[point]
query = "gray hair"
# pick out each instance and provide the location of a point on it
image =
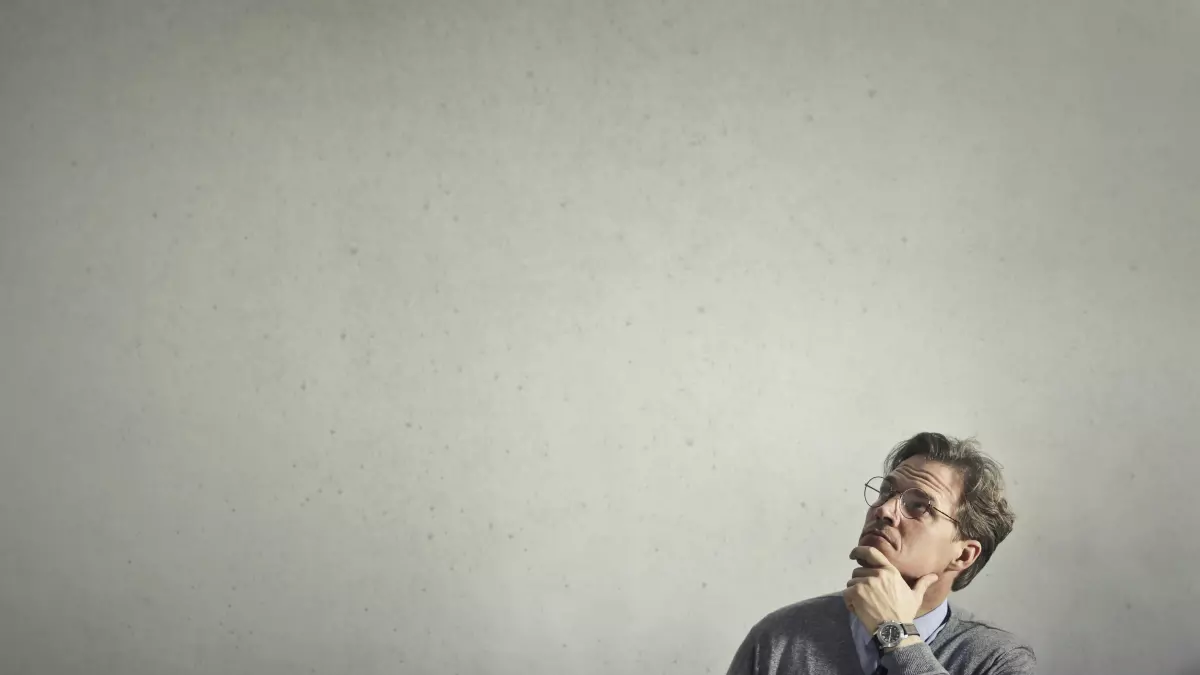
(982, 511)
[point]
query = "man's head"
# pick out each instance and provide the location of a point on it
(929, 480)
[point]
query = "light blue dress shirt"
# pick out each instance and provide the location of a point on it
(928, 626)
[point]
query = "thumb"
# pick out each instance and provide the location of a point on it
(924, 583)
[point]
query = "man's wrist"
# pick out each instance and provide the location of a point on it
(872, 628)
(906, 642)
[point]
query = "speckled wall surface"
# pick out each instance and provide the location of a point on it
(544, 338)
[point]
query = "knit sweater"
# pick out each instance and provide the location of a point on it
(813, 637)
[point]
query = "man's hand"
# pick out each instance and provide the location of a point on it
(877, 593)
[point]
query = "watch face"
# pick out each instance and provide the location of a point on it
(890, 634)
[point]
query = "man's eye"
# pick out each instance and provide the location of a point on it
(917, 506)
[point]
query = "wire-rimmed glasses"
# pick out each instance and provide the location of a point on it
(914, 504)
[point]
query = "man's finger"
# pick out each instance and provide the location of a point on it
(869, 556)
(867, 572)
(924, 583)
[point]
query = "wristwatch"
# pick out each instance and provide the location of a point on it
(890, 633)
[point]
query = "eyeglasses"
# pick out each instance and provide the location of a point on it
(914, 504)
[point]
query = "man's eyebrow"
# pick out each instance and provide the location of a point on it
(888, 481)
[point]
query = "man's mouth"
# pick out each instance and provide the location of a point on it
(878, 534)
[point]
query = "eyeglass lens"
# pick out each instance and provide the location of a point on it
(913, 503)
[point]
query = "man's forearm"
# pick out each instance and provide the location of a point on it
(913, 657)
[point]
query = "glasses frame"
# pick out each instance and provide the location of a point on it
(879, 493)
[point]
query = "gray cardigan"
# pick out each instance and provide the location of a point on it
(813, 637)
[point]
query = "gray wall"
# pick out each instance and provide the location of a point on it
(366, 337)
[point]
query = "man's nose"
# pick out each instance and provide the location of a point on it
(887, 511)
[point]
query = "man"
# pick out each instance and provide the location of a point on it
(933, 523)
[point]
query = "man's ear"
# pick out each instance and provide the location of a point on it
(966, 556)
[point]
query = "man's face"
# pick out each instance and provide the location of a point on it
(916, 546)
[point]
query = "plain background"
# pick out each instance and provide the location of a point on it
(559, 337)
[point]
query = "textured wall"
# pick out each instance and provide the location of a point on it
(498, 337)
